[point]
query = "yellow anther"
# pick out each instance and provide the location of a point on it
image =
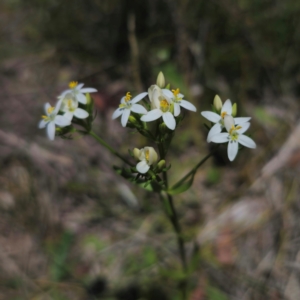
(147, 155)
(44, 117)
(50, 109)
(233, 129)
(238, 127)
(223, 114)
(73, 84)
(128, 96)
(164, 103)
(176, 92)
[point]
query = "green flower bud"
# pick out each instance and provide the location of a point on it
(218, 103)
(133, 120)
(161, 164)
(161, 80)
(234, 110)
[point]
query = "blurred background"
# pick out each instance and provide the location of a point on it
(70, 228)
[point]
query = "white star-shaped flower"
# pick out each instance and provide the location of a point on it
(78, 92)
(219, 119)
(52, 118)
(127, 106)
(161, 106)
(70, 108)
(147, 157)
(178, 101)
(234, 136)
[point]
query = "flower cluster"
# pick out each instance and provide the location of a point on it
(223, 118)
(66, 108)
(162, 103)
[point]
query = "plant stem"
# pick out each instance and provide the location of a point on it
(199, 164)
(113, 151)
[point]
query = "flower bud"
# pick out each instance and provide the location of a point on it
(136, 153)
(161, 80)
(218, 103)
(234, 110)
(133, 120)
(228, 122)
(161, 164)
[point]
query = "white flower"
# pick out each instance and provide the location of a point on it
(147, 157)
(178, 101)
(127, 106)
(234, 136)
(70, 108)
(219, 119)
(78, 92)
(52, 118)
(161, 106)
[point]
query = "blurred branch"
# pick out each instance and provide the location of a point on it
(134, 49)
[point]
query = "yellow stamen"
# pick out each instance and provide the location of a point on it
(223, 114)
(44, 117)
(73, 84)
(232, 129)
(176, 92)
(50, 109)
(147, 155)
(128, 96)
(164, 105)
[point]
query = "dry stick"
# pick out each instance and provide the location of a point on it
(134, 48)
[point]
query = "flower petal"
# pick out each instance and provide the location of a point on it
(227, 106)
(42, 124)
(81, 98)
(176, 109)
(217, 128)
(81, 113)
(68, 115)
(125, 117)
(79, 86)
(46, 107)
(139, 97)
(88, 90)
(152, 115)
(246, 141)
(117, 113)
(58, 106)
(51, 131)
(61, 121)
(188, 105)
(169, 120)
(211, 116)
(142, 167)
(244, 128)
(239, 121)
(168, 93)
(220, 138)
(139, 109)
(232, 150)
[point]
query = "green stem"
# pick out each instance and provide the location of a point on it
(199, 164)
(113, 151)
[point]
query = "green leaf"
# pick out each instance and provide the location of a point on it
(178, 189)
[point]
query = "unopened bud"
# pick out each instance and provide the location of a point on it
(228, 122)
(218, 103)
(234, 110)
(161, 80)
(161, 164)
(136, 153)
(88, 99)
(133, 120)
